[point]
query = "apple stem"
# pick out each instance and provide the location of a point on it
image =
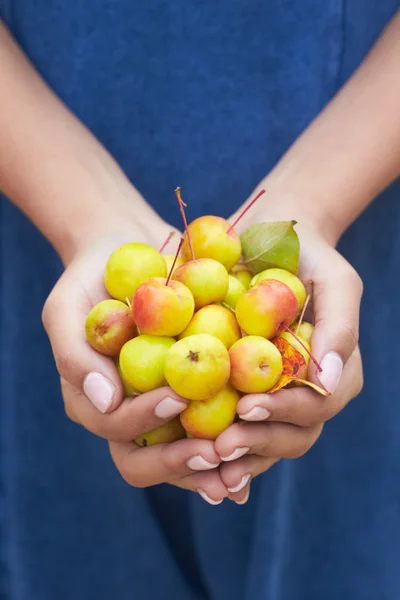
(173, 264)
(245, 210)
(302, 313)
(167, 241)
(296, 337)
(128, 302)
(182, 209)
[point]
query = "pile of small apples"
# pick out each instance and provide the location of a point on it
(202, 322)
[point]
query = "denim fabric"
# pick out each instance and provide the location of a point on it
(207, 95)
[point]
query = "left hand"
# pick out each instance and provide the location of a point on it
(287, 424)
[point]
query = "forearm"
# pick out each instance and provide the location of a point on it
(52, 167)
(350, 153)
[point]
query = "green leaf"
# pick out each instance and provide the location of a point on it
(269, 245)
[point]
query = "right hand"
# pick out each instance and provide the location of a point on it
(93, 392)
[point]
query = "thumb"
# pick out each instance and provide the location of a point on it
(64, 317)
(337, 297)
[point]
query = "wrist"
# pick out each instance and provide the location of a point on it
(279, 203)
(113, 220)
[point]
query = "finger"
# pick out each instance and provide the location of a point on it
(208, 485)
(266, 439)
(163, 463)
(64, 317)
(131, 418)
(301, 405)
(336, 301)
(238, 474)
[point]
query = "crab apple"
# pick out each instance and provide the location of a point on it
(267, 308)
(130, 265)
(197, 367)
(206, 419)
(108, 326)
(293, 282)
(161, 309)
(256, 364)
(214, 320)
(142, 362)
(211, 239)
(167, 432)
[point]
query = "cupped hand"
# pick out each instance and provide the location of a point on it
(287, 423)
(92, 389)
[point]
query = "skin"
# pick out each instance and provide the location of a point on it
(208, 418)
(256, 364)
(265, 308)
(54, 170)
(142, 362)
(197, 367)
(210, 239)
(108, 326)
(286, 277)
(160, 309)
(207, 279)
(214, 320)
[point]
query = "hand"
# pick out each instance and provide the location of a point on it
(92, 389)
(287, 423)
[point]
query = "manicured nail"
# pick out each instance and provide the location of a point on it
(236, 454)
(258, 413)
(240, 485)
(244, 499)
(99, 390)
(332, 369)
(169, 407)
(198, 463)
(208, 499)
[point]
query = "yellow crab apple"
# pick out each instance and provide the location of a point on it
(167, 432)
(206, 419)
(142, 362)
(197, 367)
(214, 320)
(207, 279)
(162, 308)
(293, 282)
(108, 326)
(267, 308)
(130, 265)
(256, 364)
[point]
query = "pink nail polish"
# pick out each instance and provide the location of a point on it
(241, 484)
(208, 499)
(258, 413)
(236, 454)
(169, 407)
(244, 499)
(332, 369)
(198, 463)
(99, 390)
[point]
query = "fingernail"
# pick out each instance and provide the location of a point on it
(240, 485)
(258, 413)
(198, 463)
(244, 499)
(208, 499)
(169, 407)
(332, 369)
(99, 390)
(236, 454)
